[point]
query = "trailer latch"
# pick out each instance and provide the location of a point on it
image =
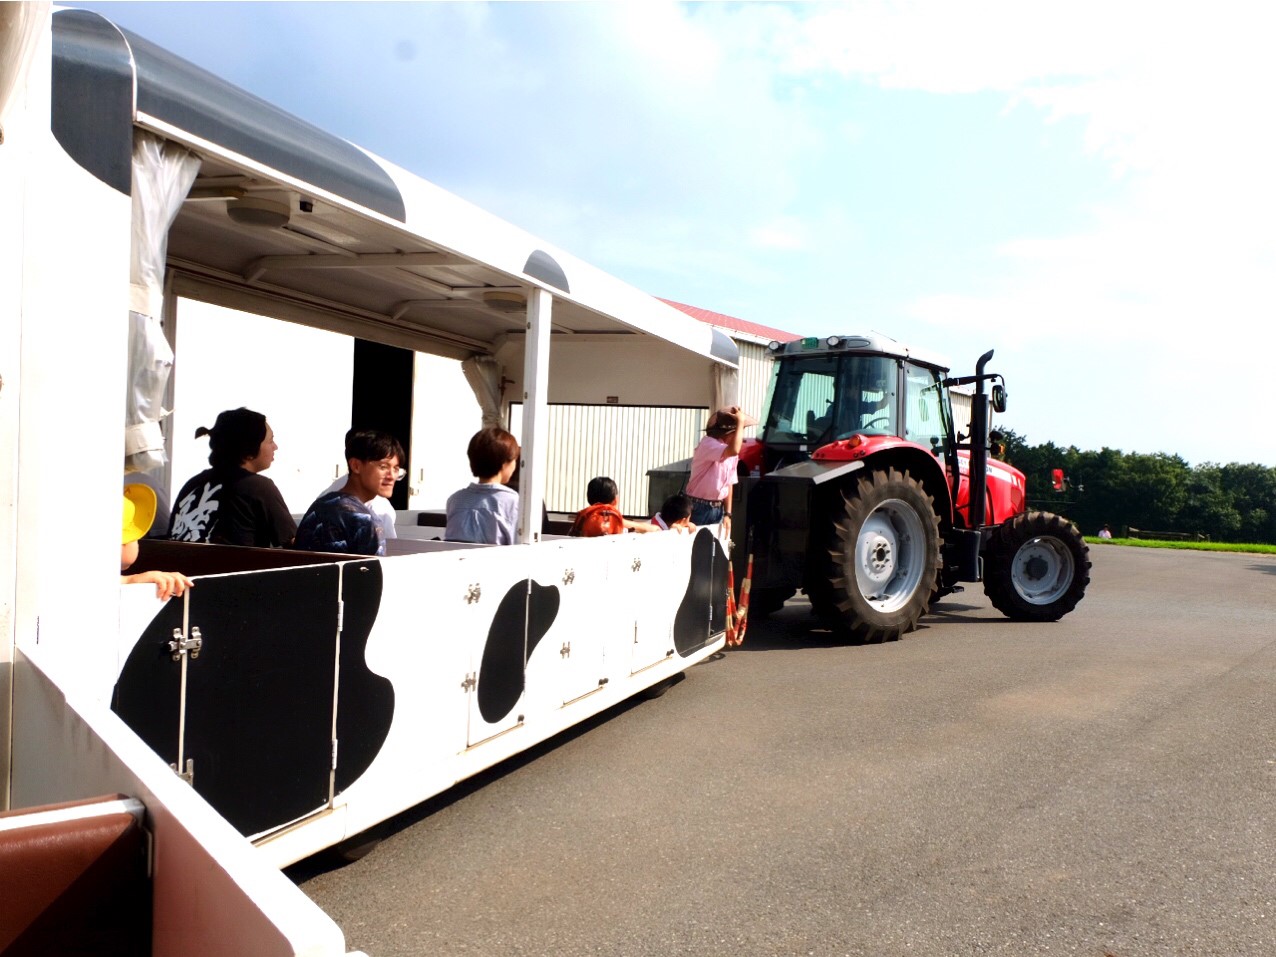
(181, 645)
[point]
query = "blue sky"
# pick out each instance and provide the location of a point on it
(1086, 188)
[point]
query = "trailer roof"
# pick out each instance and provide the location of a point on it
(366, 247)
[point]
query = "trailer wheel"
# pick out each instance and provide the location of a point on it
(1037, 567)
(884, 559)
(355, 848)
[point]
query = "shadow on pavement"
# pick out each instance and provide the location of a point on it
(339, 856)
(795, 626)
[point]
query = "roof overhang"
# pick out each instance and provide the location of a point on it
(354, 242)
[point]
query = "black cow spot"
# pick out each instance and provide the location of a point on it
(523, 617)
(259, 696)
(258, 719)
(703, 611)
(365, 699)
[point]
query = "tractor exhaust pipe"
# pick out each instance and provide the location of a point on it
(979, 446)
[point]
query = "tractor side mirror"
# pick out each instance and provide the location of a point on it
(998, 397)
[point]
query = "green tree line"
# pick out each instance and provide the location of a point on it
(1157, 492)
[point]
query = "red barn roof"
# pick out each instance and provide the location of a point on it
(734, 324)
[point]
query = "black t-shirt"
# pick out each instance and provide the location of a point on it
(231, 507)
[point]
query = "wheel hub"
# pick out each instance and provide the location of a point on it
(888, 563)
(1036, 568)
(879, 555)
(876, 564)
(1042, 570)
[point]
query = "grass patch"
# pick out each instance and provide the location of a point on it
(1189, 546)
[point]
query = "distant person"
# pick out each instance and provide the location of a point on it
(342, 521)
(602, 516)
(380, 504)
(232, 503)
(713, 465)
(139, 513)
(1105, 532)
(675, 513)
(486, 511)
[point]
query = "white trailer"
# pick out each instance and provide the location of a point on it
(289, 701)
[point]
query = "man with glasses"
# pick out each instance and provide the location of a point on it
(380, 505)
(344, 520)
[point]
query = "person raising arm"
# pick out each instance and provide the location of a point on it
(713, 466)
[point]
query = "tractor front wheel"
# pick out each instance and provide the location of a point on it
(1036, 568)
(884, 559)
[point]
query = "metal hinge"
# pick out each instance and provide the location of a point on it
(470, 682)
(181, 645)
(566, 650)
(189, 774)
(636, 565)
(569, 576)
(472, 594)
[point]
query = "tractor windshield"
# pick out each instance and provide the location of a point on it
(815, 400)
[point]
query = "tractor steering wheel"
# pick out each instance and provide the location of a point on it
(884, 419)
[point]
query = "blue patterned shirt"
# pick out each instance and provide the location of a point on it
(338, 522)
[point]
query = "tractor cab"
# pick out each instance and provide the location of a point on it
(842, 389)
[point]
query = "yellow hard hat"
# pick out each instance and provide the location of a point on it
(139, 511)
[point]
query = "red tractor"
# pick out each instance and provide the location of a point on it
(863, 494)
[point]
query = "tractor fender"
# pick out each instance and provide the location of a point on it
(812, 472)
(920, 464)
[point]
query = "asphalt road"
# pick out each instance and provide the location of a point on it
(1104, 785)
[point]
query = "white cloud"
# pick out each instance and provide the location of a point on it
(785, 233)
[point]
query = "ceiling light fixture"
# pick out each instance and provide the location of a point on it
(255, 211)
(504, 301)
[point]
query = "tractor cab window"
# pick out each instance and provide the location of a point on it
(815, 400)
(925, 414)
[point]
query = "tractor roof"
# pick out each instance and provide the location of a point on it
(872, 343)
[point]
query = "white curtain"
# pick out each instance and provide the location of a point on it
(20, 26)
(162, 176)
(483, 373)
(726, 387)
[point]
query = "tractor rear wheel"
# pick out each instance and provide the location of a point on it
(1037, 567)
(884, 559)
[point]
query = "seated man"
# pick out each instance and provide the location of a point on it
(603, 517)
(341, 521)
(139, 513)
(380, 504)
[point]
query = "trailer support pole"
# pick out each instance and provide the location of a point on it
(531, 488)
